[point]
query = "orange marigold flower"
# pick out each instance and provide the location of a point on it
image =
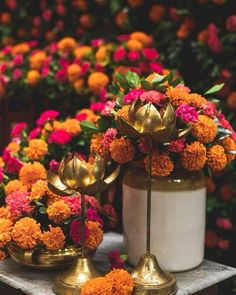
(203, 36)
(231, 101)
(97, 286)
(82, 51)
(205, 129)
(78, 84)
(229, 145)
(122, 150)
(196, 100)
(101, 54)
(216, 158)
(3, 255)
(52, 198)
(156, 13)
(73, 72)
(141, 37)
(20, 48)
(71, 126)
(5, 212)
(97, 81)
(31, 172)
(177, 96)
(95, 235)
(15, 186)
(134, 45)
(86, 20)
(2, 163)
(96, 146)
(33, 77)
(37, 149)
(183, 31)
(58, 212)
(123, 112)
(6, 227)
(66, 44)
(161, 164)
(193, 157)
(14, 147)
(121, 18)
(37, 60)
(54, 239)
(26, 233)
(38, 190)
(121, 280)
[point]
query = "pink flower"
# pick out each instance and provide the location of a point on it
(109, 210)
(17, 60)
(3, 67)
(16, 74)
(223, 244)
(156, 67)
(121, 38)
(6, 50)
(53, 165)
(177, 146)
(108, 137)
(187, 113)
(209, 109)
(36, 21)
(47, 116)
(93, 202)
(143, 145)
(132, 95)
(85, 67)
(81, 117)
(32, 43)
(1, 175)
(97, 42)
(74, 204)
(47, 15)
(34, 133)
(115, 259)
(152, 96)
(134, 69)
(61, 75)
(133, 55)
(60, 9)
(183, 87)
(150, 53)
(99, 68)
(12, 4)
(103, 95)
(108, 108)
(97, 106)
(119, 54)
(60, 137)
(19, 203)
(92, 215)
(75, 231)
(213, 40)
(224, 223)
(14, 165)
(64, 62)
(18, 128)
(231, 23)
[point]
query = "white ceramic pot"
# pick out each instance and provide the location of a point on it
(177, 221)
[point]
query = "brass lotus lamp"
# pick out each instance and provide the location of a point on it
(159, 126)
(77, 176)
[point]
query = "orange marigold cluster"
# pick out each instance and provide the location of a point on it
(38, 190)
(97, 286)
(122, 150)
(71, 126)
(177, 96)
(26, 233)
(14, 147)
(196, 100)
(97, 147)
(37, 149)
(95, 235)
(6, 227)
(97, 81)
(205, 129)
(123, 112)
(33, 77)
(5, 212)
(66, 44)
(161, 164)
(216, 158)
(229, 145)
(193, 157)
(52, 198)
(54, 239)
(142, 37)
(15, 186)
(58, 212)
(121, 280)
(31, 172)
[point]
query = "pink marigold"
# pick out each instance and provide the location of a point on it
(97, 42)
(132, 95)
(224, 223)
(187, 113)
(119, 54)
(108, 108)
(108, 137)
(97, 106)
(14, 165)
(115, 259)
(34, 133)
(47, 116)
(75, 231)
(93, 202)
(81, 117)
(152, 96)
(60, 137)
(53, 166)
(18, 128)
(133, 55)
(19, 203)
(209, 109)
(177, 146)
(92, 215)
(150, 53)
(156, 67)
(73, 203)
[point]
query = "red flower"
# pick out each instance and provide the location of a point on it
(16, 131)
(133, 55)
(223, 244)
(47, 116)
(75, 231)
(224, 223)
(119, 54)
(60, 137)
(211, 239)
(231, 23)
(213, 40)
(115, 260)
(150, 53)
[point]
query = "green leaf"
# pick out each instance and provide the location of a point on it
(146, 85)
(38, 204)
(43, 210)
(103, 124)
(177, 81)
(88, 127)
(214, 89)
(170, 77)
(124, 257)
(114, 88)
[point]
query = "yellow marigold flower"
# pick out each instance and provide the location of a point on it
(161, 164)
(31, 172)
(71, 126)
(58, 212)
(97, 286)
(54, 239)
(121, 280)
(66, 44)
(193, 157)
(97, 81)
(229, 145)
(97, 147)
(122, 150)
(37, 149)
(78, 84)
(134, 45)
(2, 164)
(205, 129)
(101, 54)
(37, 60)
(141, 37)
(33, 77)
(177, 96)
(26, 233)
(73, 72)
(3, 255)
(216, 158)
(14, 147)
(6, 227)
(95, 235)
(196, 100)
(38, 190)
(123, 112)
(82, 51)
(15, 186)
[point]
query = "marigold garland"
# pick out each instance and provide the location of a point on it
(161, 164)
(122, 150)
(53, 239)
(216, 158)
(205, 129)
(58, 212)
(97, 286)
(193, 157)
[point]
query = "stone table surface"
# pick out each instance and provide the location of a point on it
(34, 282)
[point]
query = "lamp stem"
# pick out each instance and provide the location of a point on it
(82, 217)
(149, 192)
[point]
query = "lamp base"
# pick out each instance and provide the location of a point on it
(150, 279)
(80, 272)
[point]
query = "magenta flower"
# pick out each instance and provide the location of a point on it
(143, 145)
(61, 75)
(156, 67)
(3, 67)
(16, 74)
(108, 137)
(132, 95)
(75, 231)
(74, 204)
(187, 113)
(108, 108)
(209, 109)
(47, 116)
(47, 15)
(19, 203)
(93, 202)
(53, 166)
(133, 55)
(213, 41)
(85, 67)
(81, 117)
(123, 37)
(183, 87)
(97, 42)
(115, 259)
(177, 146)
(14, 165)
(150, 53)
(97, 106)
(92, 215)
(223, 244)
(18, 128)
(34, 133)
(36, 21)
(224, 223)
(152, 96)
(119, 54)
(60, 137)
(1, 175)
(110, 212)
(17, 60)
